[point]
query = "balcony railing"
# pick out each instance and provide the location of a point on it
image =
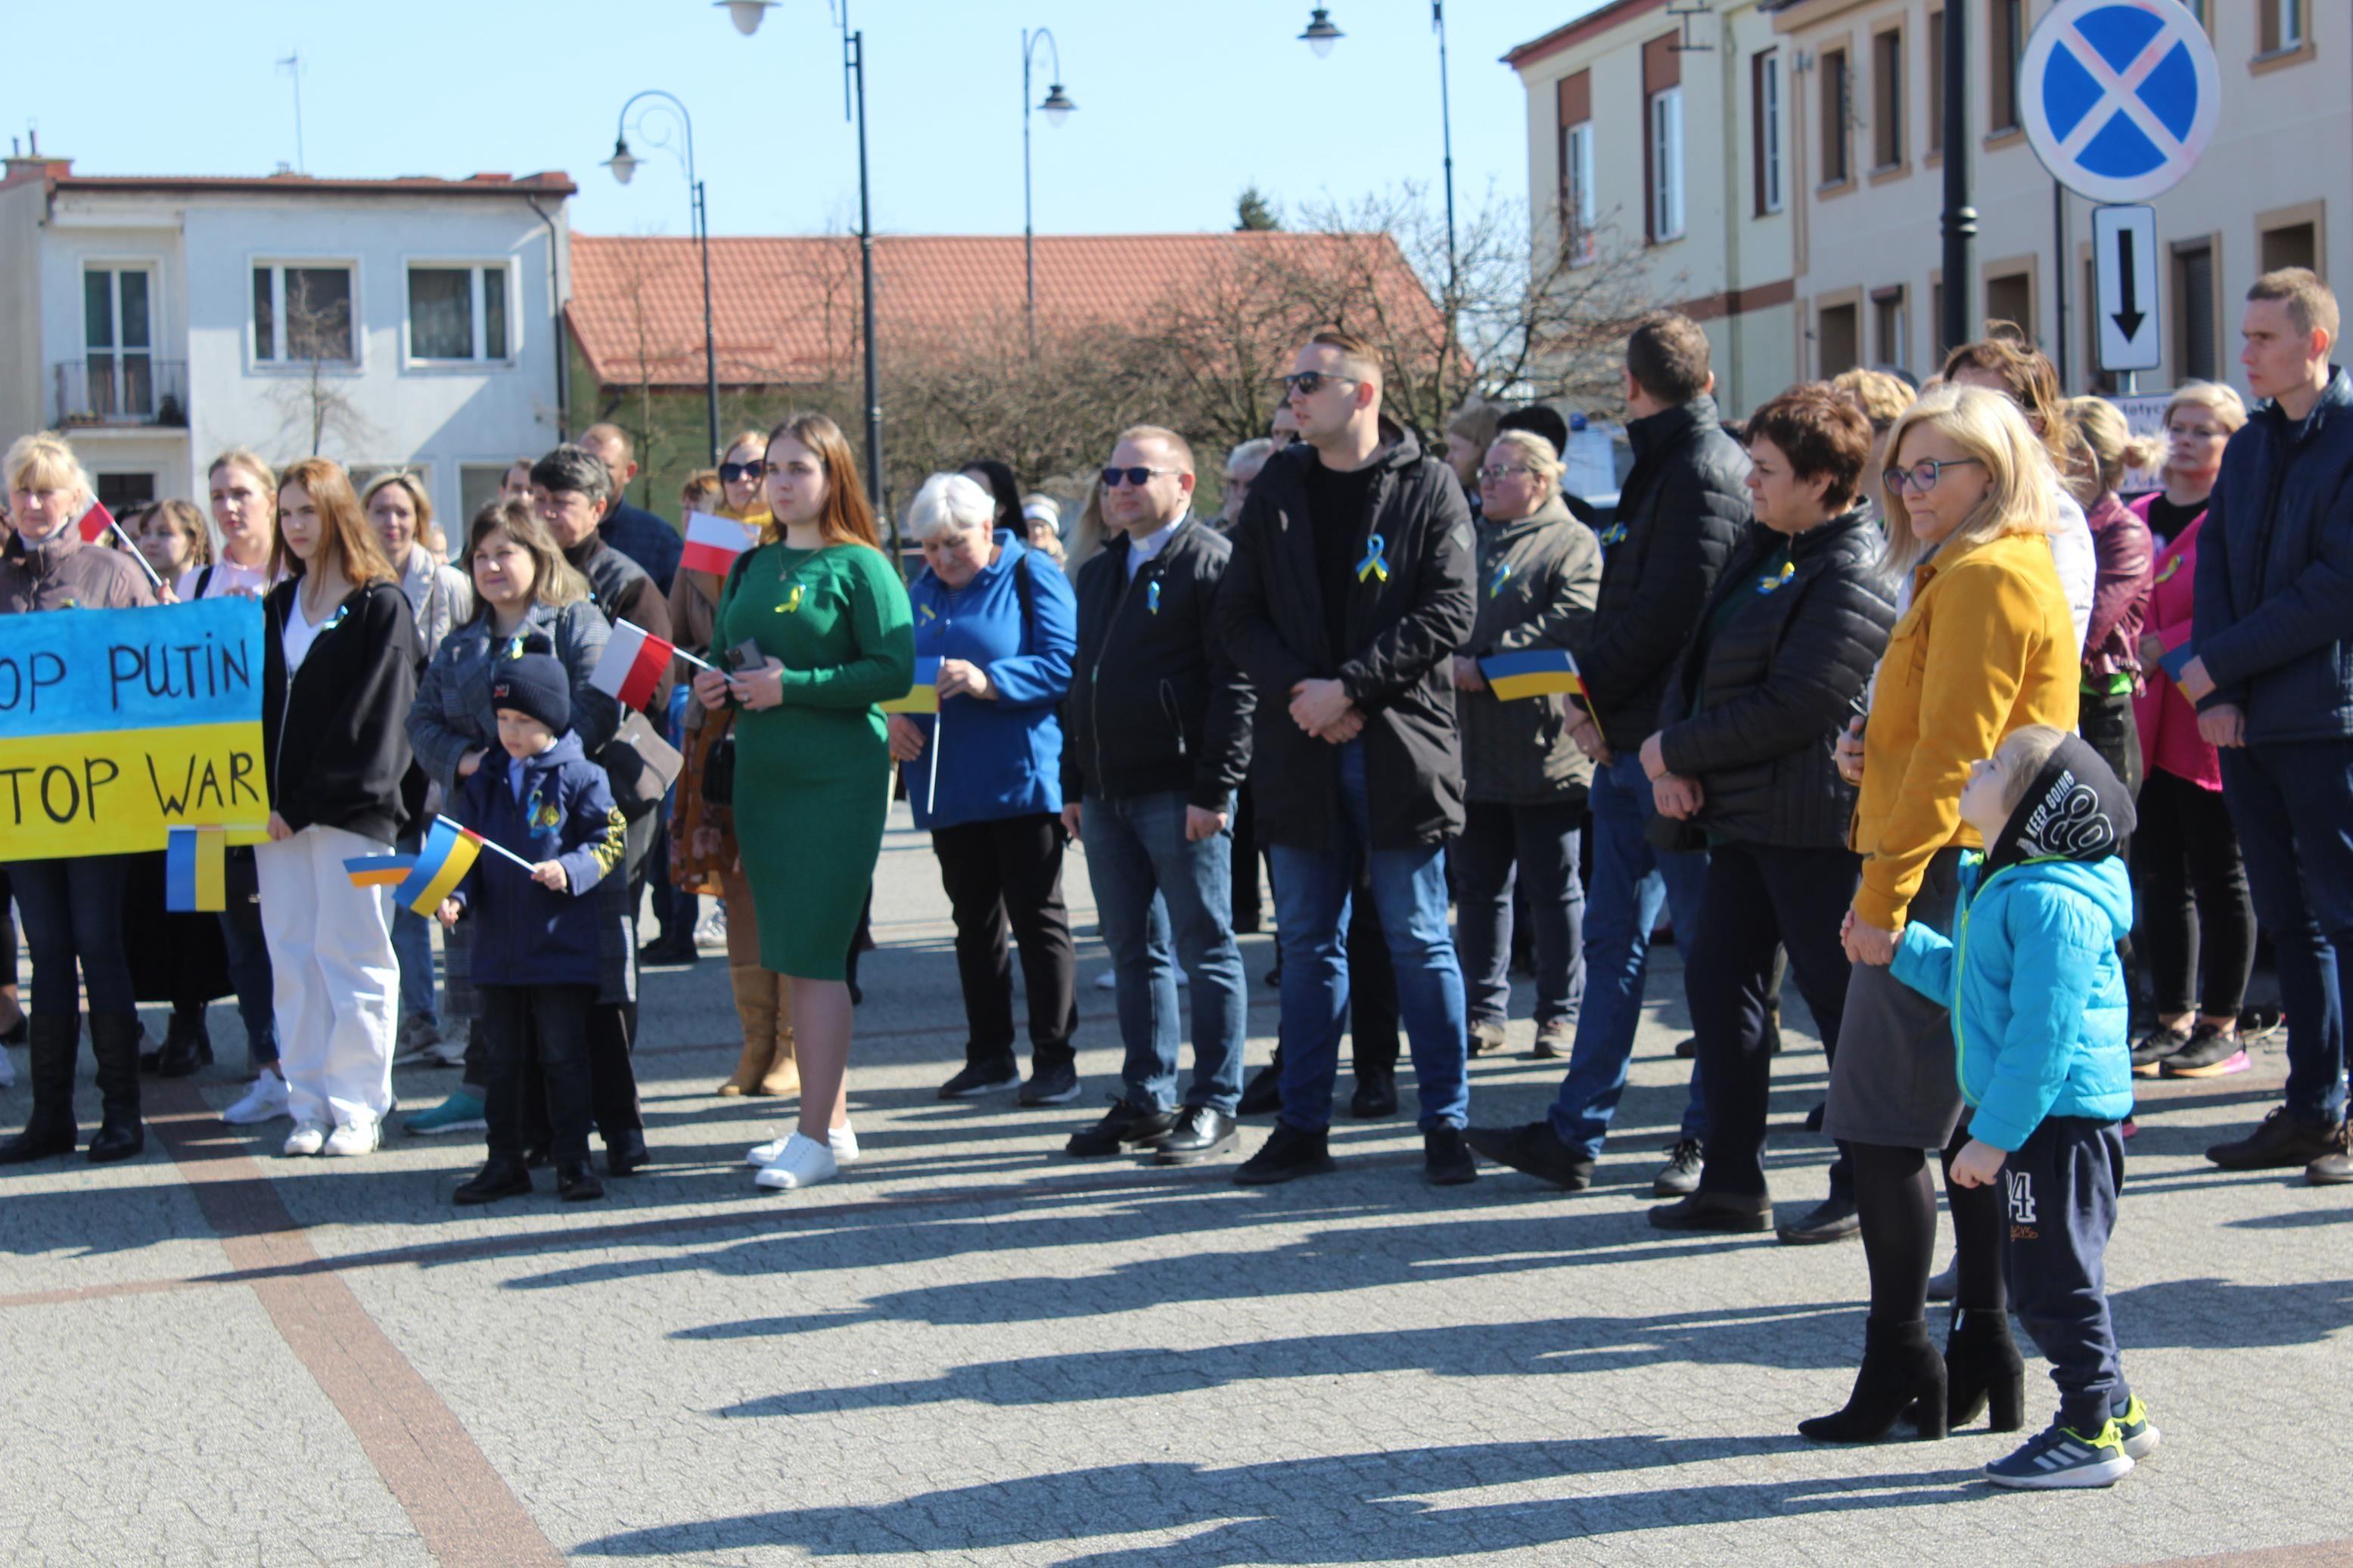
(121, 389)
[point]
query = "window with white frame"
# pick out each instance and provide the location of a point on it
(1577, 198)
(118, 342)
(1769, 132)
(302, 312)
(457, 313)
(1667, 165)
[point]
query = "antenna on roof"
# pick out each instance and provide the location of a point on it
(292, 65)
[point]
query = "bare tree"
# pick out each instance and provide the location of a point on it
(316, 405)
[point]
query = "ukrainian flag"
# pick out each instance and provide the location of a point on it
(1536, 672)
(195, 862)
(924, 698)
(378, 870)
(449, 853)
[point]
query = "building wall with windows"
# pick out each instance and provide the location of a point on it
(1659, 140)
(2274, 187)
(387, 324)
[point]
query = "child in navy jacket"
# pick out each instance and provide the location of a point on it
(536, 941)
(2040, 1019)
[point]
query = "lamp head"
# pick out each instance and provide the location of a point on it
(1321, 34)
(623, 162)
(1058, 106)
(747, 15)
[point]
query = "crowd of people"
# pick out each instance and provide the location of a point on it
(1881, 691)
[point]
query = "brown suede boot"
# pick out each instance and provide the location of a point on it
(784, 1073)
(755, 1005)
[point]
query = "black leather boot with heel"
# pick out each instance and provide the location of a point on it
(1902, 1377)
(114, 1041)
(1982, 1370)
(50, 1128)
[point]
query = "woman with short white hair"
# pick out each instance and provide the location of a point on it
(1002, 625)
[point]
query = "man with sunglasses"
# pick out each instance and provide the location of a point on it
(1158, 737)
(1349, 590)
(1682, 512)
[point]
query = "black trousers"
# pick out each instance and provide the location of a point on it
(1245, 862)
(1006, 873)
(2198, 924)
(1760, 898)
(2107, 727)
(1372, 989)
(535, 1067)
(73, 922)
(2059, 1194)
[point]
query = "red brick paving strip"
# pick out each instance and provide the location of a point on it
(461, 1506)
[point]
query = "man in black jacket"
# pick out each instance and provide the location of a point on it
(1349, 589)
(1679, 514)
(636, 532)
(1157, 735)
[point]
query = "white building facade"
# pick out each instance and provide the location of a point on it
(388, 324)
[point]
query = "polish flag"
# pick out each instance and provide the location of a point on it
(713, 543)
(631, 666)
(95, 523)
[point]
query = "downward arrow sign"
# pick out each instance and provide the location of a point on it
(2127, 320)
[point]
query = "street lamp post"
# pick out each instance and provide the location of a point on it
(624, 164)
(747, 15)
(1960, 217)
(1058, 107)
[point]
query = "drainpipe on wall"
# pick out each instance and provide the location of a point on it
(555, 316)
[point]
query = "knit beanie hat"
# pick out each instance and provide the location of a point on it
(532, 681)
(2076, 809)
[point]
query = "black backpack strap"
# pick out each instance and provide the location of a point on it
(1026, 590)
(204, 580)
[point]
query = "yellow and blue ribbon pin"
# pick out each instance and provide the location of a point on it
(1613, 534)
(929, 614)
(1495, 587)
(1152, 597)
(1376, 563)
(1772, 579)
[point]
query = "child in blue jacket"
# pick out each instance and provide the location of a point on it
(2040, 1017)
(537, 943)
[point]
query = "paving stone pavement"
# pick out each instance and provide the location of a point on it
(975, 1350)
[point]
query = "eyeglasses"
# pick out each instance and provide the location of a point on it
(1113, 477)
(1308, 383)
(2197, 433)
(1496, 473)
(736, 473)
(1922, 476)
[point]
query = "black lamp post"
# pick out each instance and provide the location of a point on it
(747, 15)
(1960, 218)
(1058, 107)
(624, 164)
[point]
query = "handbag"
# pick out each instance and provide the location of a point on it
(719, 772)
(640, 765)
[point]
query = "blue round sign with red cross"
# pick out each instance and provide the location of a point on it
(2119, 96)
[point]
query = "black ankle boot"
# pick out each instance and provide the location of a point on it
(50, 1128)
(502, 1175)
(1902, 1374)
(114, 1041)
(187, 1046)
(1982, 1368)
(1262, 1095)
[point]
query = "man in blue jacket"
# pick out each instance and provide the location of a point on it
(2274, 685)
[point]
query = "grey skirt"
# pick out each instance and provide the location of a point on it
(1895, 1082)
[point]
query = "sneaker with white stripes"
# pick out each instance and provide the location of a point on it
(267, 1101)
(842, 1141)
(2061, 1456)
(802, 1162)
(358, 1136)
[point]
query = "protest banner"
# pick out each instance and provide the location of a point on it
(118, 725)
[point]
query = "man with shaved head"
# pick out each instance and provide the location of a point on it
(636, 532)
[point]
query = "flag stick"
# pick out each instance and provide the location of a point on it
(931, 789)
(674, 648)
(132, 549)
(488, 843)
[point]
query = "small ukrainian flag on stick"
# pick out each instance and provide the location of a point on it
(194, 863)
(925, 695)
(1533, 672)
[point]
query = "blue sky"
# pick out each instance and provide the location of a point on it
(1179, 105)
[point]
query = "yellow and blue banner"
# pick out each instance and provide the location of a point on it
(117, 726)
(195, 867)
(447, 854)
(379, 870)
(925, 697)
(1534, 672)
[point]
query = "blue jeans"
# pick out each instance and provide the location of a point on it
(1540, 843)
(1630, 880)
(249, 972)
(1312, 890)
(412, 944)
(1140, 861)
(2293, 803)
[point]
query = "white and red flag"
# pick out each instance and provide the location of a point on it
(95, 523)
(631, 666)
(713, 543)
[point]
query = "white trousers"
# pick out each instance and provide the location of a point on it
(337, 981)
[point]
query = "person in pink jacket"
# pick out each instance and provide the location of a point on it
(2198, 924)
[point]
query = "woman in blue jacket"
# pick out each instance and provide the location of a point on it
(999, 624)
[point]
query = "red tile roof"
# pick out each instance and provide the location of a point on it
(786, 309)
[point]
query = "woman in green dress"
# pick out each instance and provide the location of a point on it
(826, 614)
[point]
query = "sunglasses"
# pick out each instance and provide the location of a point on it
(1496, 473)
(1308, 383)
(736, 473)
(1922, 476)
(1113, 477)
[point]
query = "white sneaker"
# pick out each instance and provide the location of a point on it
(802, 1162)
(267, 1101)
(308, 1137)
(713, 931)
(842, 1141)
(355, 1137)
(419, 1034)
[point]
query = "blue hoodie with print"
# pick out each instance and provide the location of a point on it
(2040, 1012)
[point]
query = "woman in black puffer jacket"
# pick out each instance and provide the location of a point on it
(1784, 654)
